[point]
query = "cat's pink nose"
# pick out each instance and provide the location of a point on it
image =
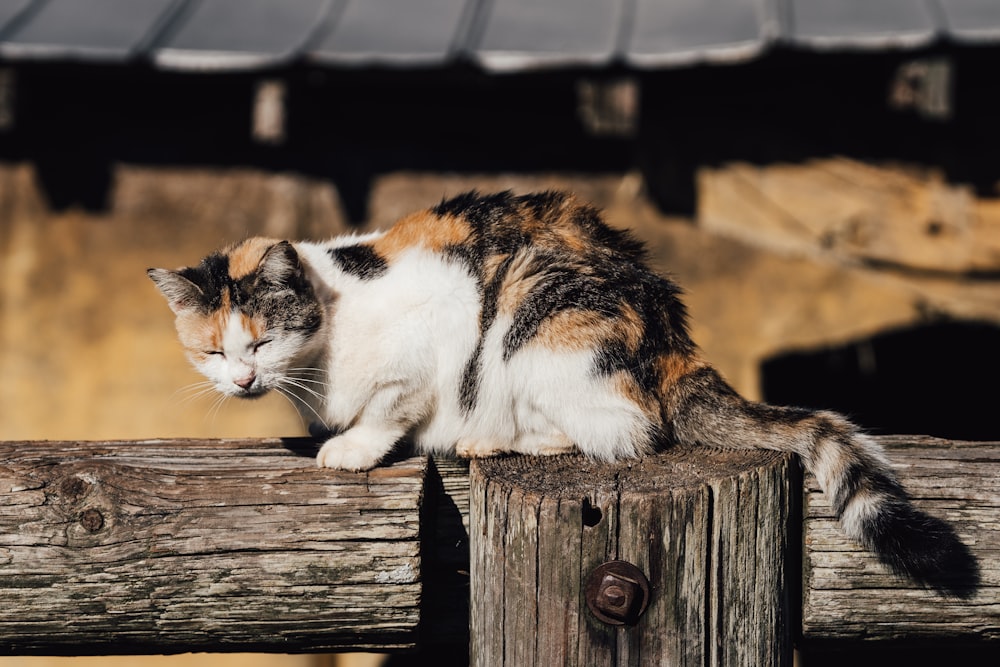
(245, 382)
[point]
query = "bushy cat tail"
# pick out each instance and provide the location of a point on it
(852, 470)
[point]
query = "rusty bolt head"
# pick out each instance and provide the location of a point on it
(617, 592)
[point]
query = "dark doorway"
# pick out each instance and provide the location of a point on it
(940, 379)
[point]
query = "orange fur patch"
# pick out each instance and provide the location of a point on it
(422, 229)
(674, 366)
(218, 321)
(570, 237)
(254, 325)
(631, 328)
(244, 258)
(199, 334)
(626, 385)
(517, 284)
(574, 330)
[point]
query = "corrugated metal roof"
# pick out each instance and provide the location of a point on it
(498, 35)
(395, 32)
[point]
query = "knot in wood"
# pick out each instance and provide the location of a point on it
(74, 488)
(92, 520)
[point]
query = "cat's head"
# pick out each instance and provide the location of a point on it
(246, 316)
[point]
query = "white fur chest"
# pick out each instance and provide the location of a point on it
(407, 334)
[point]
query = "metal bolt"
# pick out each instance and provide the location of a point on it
(612, 594)
(617, 592)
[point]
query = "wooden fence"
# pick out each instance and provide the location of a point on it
(729, 557)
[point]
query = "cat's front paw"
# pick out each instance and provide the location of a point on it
(345, 452)
(478, 448)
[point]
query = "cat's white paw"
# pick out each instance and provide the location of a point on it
(345, 452)
(545, 445)
(475, 448)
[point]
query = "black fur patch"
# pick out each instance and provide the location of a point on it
(360, 260)
(212, 276)
(558, 291)
(542, 204)
(489, 296)
(469, 389)
(481, 211)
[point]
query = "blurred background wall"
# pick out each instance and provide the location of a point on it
(831, 207)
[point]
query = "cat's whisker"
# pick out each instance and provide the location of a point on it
(311, 381)
(307, 368)
(314, 387)
(192, 393)
(194, 386)
(285, 396)
(292, 400)
(307, 389)
(210, 413)
(305, 373)
(213, 412)
(301, 400)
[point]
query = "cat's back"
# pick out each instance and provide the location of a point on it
(499, 240)
(482, 228)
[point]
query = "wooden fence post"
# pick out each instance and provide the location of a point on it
(713, 531)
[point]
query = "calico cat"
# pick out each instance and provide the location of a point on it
(502, 323)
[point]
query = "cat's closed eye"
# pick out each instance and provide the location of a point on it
(260, 343)
(210, 353)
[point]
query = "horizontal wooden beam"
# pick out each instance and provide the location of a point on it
(848, 595)
(171, 546)
(186, 545)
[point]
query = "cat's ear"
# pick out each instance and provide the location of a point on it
(279, 265)
(182, 294)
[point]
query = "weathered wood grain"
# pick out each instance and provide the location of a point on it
(856, 211)
(171, 546)
(708, 528)
(849, 595)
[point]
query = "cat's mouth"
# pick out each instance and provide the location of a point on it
(256, 391)
(252, 393)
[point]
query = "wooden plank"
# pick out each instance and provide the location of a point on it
(847, 594)
(172, 546)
